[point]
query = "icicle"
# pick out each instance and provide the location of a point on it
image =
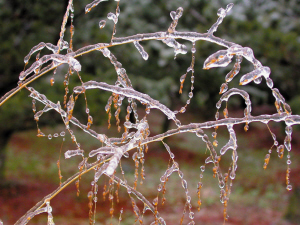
(141, 50)
(232, 143)
(277, 95)
(235, 70)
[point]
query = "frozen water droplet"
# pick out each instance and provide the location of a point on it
(269, 82)
(102, 23)
(258, 80)
(177, 122)
(173, 15)
(221, 12)
(52, 81)
(49, 136)
(184, 183)
(217, 115)
(55, 135)
(193, 50)
(223, 88)
(215, 143)
(289, 187)
(199, 132)
(202, 168)
(159, 187)
(155, 201)
(113, 17)
(288, 130)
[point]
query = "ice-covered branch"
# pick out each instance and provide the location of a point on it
(128, 92)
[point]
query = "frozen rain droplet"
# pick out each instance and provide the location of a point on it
(289, 187)
(102, 23)
(193, 50)
(113, 17)
(184, 184)
(155, 201)
(223, 88)
(269, 82)
(221, 12)
(159, 188)
(49, 136)
(202, 168)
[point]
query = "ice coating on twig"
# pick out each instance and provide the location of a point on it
(57, 58)
(236, 91)
(71, 153)
(93, 4)
(43, 99)
(232, 143)
(178, 48)
(219, 59)
(61, 43)
(130, 93)
(168, 172)
(102, 150)
(255, 74)
(175, 16)
(39, 47)
(221, 13)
